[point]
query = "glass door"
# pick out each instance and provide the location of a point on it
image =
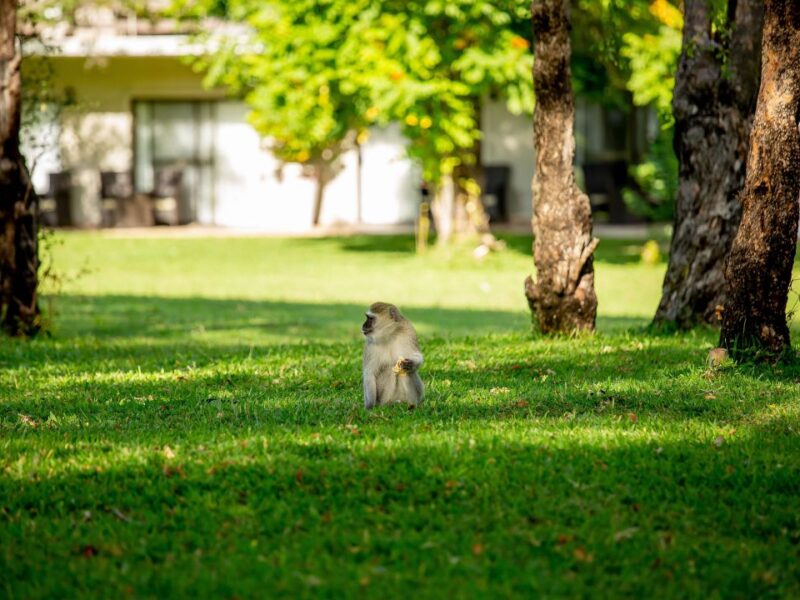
(177, 135)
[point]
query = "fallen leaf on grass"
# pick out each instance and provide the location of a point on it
(625, 534)
(120, 515)
(26, 420)
(582, 555)
(168, 452)
(632, 417)
(170, 471)
(564, 539)
(718, 441)
(478, 549)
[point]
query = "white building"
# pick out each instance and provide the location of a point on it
(136, 106)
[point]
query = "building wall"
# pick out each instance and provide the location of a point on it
(508, 140)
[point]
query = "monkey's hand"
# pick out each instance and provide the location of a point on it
(403, 366)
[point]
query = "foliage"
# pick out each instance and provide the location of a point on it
(295, 70)
(194, 428)
(52, 12)
(316, 73)
(655, 180)
(652, 57)
(653, 60)
(474, 52)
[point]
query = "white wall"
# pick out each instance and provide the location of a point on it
(254, 190)
(390, 180)
(508, 140)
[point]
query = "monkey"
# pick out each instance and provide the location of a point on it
(392, 358)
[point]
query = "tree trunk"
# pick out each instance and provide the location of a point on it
(19, 258)
(562, 300)
(713, 103)
(359, 183)
(319, 192)
(759, 267)
(443, 209)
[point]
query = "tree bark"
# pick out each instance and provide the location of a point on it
(562, 299)
(19, 257)
(713, 104)
(759, 266)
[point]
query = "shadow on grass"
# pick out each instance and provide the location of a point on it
(186, 322)
(583, 518)
(369, 243)
(616, 252)
(139, 365)
(620, 252)
(117, 316)
(233, 388)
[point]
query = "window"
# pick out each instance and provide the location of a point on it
(177, 135)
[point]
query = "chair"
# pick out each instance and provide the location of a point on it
(55, 206)
(167, 194)
(116, 187)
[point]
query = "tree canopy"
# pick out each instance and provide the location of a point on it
(316, 74)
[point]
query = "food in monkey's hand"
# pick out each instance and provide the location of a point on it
(398, 367)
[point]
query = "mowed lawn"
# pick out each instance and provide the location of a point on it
(192, 426)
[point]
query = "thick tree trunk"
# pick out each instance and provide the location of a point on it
(713, 104)
(19, 259)
(759, 267)
(562, 299)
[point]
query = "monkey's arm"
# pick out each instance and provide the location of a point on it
(370, 392)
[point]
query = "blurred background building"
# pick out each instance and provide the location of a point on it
(141, 141)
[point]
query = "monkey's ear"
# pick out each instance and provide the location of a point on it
(394, 313)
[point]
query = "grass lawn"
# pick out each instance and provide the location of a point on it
(193, 426)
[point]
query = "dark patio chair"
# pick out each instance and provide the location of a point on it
(116, 188)
(167, 194)
(55, 206)
(496, 180)
(604, 182)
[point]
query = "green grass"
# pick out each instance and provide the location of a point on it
(193, 427)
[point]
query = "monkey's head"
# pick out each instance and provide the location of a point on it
(382, 319)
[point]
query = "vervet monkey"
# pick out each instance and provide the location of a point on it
(391, 358)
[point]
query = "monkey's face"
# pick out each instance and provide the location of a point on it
(368, 328)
